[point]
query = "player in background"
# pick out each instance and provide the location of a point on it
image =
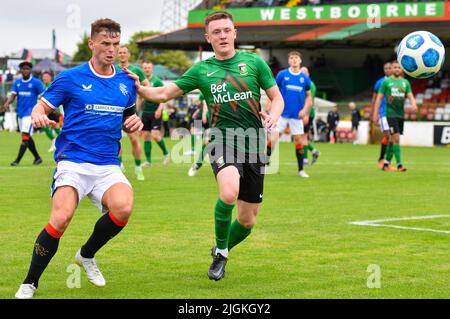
(54, 116)
(136, 148)
(356, 118)
(231, 82)
(307, 127)
(152, 119)
(396, 89)
(295, 89)
(384, 126)
(27, 90)
(205, 117)
(99, 101)
(332, 124)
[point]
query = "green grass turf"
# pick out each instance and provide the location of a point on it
(302, 246)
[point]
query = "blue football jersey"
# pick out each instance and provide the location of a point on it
(382, 110)
(27, 93)
(293, 88)
(93, 112)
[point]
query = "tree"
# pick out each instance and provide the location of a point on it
(83, 52)
(135, 38)
(169, 58)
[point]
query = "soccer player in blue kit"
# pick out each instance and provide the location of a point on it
(295, 89)
(384, 125)
(98, 101)
(27, 89)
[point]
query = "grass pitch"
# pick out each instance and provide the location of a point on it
(303, 245)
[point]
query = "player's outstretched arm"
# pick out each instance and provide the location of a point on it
(9, 100)
(159, 94)
(413, 101)
(277, 106)
(304, 113)
(39, 116)
(376, 108)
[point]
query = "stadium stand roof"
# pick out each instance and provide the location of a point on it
(272, 28)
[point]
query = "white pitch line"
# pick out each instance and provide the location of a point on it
(374, 223)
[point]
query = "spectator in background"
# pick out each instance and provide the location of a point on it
(356, 118)
(332, 124)
(9, 77)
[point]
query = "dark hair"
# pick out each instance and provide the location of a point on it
(107, 25)
(47, 72)
(217, 15)
(24, 64)
(295, 53)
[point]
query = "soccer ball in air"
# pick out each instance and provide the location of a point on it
(421, 54)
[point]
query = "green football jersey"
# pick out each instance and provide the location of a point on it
(136, 70)
(232, 91)
(395, 92)
(151, 107)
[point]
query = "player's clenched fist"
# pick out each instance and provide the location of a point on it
(41, 120)
(132, 124)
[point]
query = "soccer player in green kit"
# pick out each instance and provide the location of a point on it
(231, 82)
(136, 148)
(151, 117)
(205, 116)
(312, 114)
(54, 116)
(396, 89)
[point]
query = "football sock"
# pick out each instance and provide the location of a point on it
(22, 149)
(299, 153)
(106, 228)
(137, 162)
(120, 159)
(269, 148)
(199, 162)
(222, 221)
(162, 146)
(237, 234)
(45, 248)
(389, 152)
(148, 150)
(396, 148)
(384, 143)
(193, 142)
(32, 148)
(57, 130)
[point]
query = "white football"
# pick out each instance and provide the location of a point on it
(421, 54)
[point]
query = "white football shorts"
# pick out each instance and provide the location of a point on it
(88, 179)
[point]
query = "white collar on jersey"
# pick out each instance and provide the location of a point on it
(91, 66)
(289, 69)
(26, 81)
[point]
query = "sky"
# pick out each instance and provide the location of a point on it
(29, 23)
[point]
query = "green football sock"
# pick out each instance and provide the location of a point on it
(162, 145)
(310, 147)
(199, 162)
(137, 162)
(389, 152)
(193, 142)
(49, 132)
(57, 130)
(120, 159)
(148, 150)
(237, 234)
(222, 221)
(305, 152)
(396, 148)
